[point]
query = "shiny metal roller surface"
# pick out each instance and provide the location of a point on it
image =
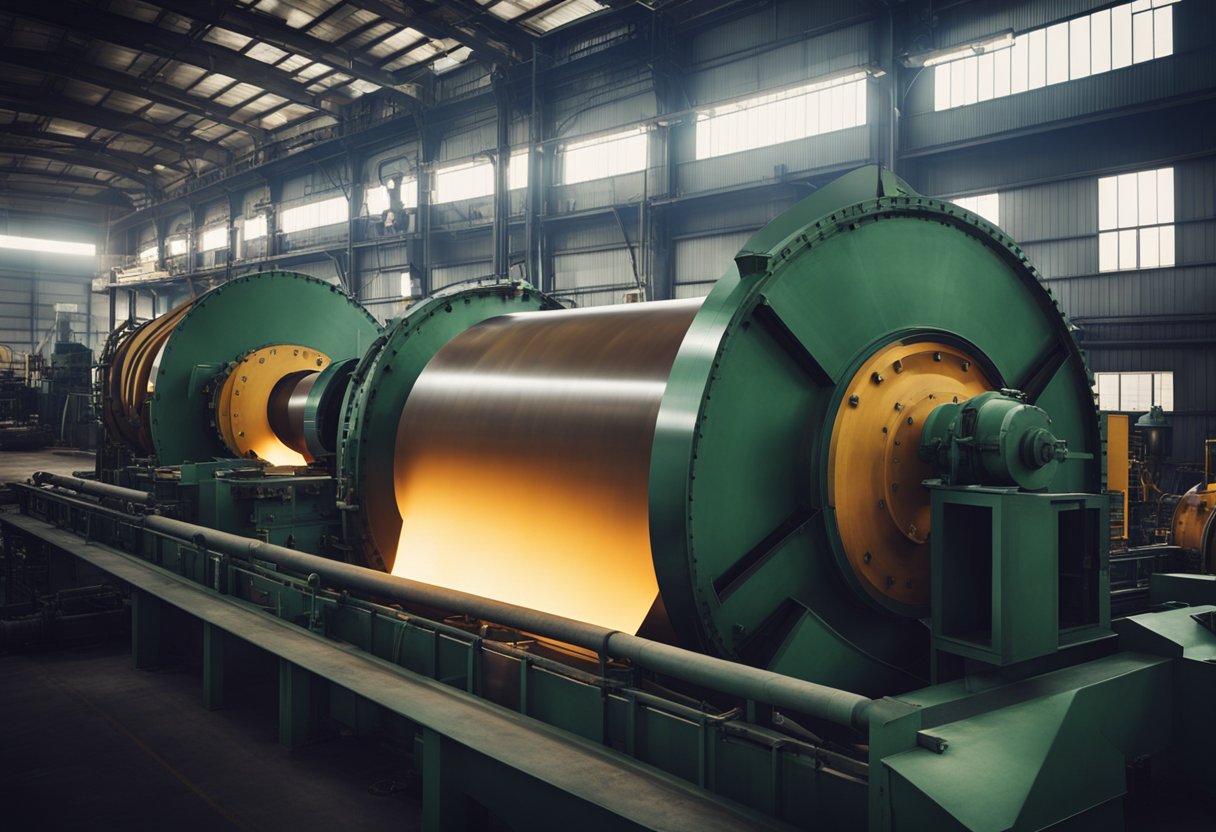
(523, 456)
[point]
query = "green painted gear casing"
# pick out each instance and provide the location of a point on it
(992, 439)
(246, 313)
(746, 549)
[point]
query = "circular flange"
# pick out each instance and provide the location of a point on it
(242, 401)
(323, 407)
(246, 313)
(874, 475)
(126, 390)
(379, 386)
(746, 540)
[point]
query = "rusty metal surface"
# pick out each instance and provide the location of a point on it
(523, 456)
(127, 392)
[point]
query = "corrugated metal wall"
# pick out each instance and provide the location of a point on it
(684, 218)
(30, 286)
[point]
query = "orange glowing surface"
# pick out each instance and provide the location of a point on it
(523, 459)
(586, 557)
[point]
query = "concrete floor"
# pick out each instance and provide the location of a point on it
(17, 466)
(88, 742)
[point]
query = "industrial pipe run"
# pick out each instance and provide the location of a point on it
(95, 488)
(837, 706)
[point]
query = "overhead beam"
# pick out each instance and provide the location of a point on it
(146, 37)
(470, 14)
(83, 181)
(52, 106)
(272, 30)
(491, 42)
(110, 198)
(68, 66)
(6, 172)
(82, 159)
(29, 131)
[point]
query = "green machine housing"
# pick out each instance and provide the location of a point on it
(874, 481)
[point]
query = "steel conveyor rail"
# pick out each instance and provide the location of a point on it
(763, 686)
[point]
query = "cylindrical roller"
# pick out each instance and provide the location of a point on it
(783, 511)
(379, 386)
(555, 410)
(286, 409)
(323, 407)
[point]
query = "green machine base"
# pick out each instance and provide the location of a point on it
(1016, 575)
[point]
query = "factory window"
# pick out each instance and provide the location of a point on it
(1134, 392)
(376, 200)
(1136, 220)
(148, 255)
(213, 238)
(465, 181)
(178, 246)
(807, 110)
(377, 197)
(255, 227)
(987, 206)
(1131, 33)
(475, 179)
(51, 246)
(604, 156)
(517, 171)
(314, 215)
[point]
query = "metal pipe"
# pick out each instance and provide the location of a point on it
(834, 705)
(96, 489)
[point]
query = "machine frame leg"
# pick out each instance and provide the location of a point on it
(295, 704)
(444, 806)
(145, 629)
(213, 667)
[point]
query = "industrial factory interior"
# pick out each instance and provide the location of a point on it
(683, 415)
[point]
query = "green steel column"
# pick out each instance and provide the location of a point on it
(145, 629)
(295, 704)
(213, 667)
(443, 804)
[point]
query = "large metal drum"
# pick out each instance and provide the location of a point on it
(786, 523)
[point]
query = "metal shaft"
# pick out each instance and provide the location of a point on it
(285, 410)
(96, 489)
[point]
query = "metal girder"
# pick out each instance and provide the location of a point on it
(82, 159)
(147, 37)
(29, 131)
(70, 67)
(110, 198)
(63, 178)
(272, 30)
(491, 39)
(537, 10)
(52, 106)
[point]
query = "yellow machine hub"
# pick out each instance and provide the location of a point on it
(242, 406)
(874, 473)
(1194, 524)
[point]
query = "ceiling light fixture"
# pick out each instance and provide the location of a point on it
(1001, 40)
